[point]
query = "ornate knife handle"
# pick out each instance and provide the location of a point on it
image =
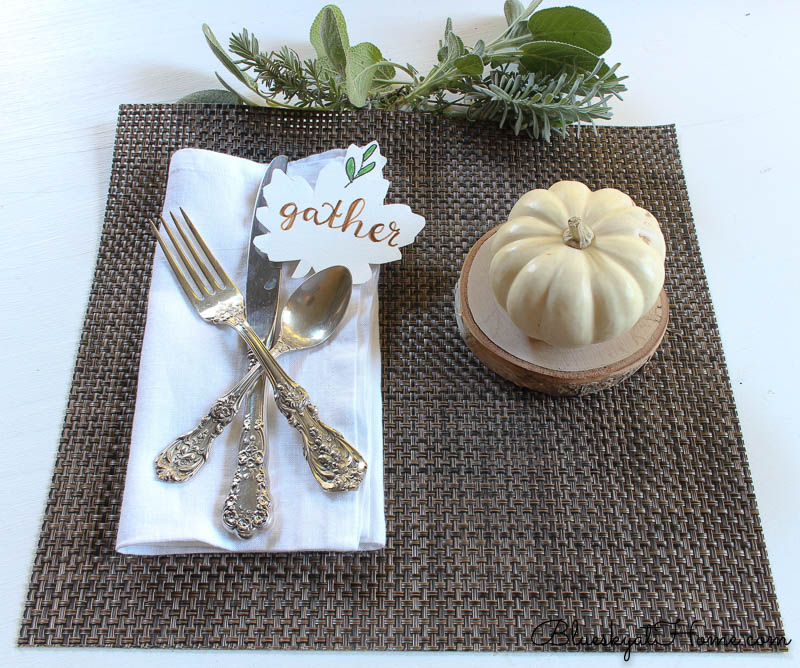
(335, 463)
(182, 458)
(248, 508)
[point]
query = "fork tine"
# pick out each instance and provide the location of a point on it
(195, 276)
(176, 270)
(217, 266)
(200, 261)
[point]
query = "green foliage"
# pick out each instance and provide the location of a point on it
(542, 105)
(571, 26)
(211, 96)
(551, 57)
(544, 72)
(360, 71)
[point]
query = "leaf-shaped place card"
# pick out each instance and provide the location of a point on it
(341, 221)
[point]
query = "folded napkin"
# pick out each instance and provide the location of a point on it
(186, 364)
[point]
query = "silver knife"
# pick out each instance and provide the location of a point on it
(248, 507)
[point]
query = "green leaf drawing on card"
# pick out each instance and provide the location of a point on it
(350, 168)
(369, 152)
(365, 169)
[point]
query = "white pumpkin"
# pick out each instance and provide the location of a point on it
(574, 267)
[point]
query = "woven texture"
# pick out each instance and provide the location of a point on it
(505, 508)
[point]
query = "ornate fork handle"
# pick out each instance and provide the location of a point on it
(335, 463)
(182, 458)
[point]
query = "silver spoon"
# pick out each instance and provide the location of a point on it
(311, 315)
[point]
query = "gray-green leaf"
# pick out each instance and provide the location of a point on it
(225, 59)
(210, 96)
(471, 65)
(350, 168)
(571, 25)
(329, 38)
(552, 57)
(513, 10)
(360, 71)
(455, 46)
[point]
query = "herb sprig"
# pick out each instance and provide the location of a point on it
(544, 72)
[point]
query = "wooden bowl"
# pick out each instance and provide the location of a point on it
(505, 349)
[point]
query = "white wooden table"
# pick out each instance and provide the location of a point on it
(724, 72)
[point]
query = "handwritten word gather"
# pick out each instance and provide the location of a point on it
(350, 219)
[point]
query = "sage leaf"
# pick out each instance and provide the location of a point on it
(384, 71)
(366, 169)
(228, 88)
(210, 96)
(350, 169)
(225, 59)
(497, 59)
(470, 64)
(552, 57)
(369, 152)
(360, 71)
(520, 26)
(455, 46)
(513, 10)
(530, 8)
(571, 25)
(328, 36)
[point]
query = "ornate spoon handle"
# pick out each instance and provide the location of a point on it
(335, 463)
(248, 507)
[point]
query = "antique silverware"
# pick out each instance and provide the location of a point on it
(248, 507)
(184, 457)
(311, 315)
(334, 462)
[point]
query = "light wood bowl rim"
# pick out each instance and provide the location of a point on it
(620, 368)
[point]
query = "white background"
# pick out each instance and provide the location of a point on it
(724, 72)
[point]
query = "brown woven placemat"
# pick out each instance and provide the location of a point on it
(505, 508)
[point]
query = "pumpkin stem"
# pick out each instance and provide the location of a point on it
(578, 234)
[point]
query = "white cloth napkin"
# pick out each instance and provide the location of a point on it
(187, 364)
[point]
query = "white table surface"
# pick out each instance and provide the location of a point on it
(723, 71)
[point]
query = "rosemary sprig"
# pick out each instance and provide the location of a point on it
(543, 73)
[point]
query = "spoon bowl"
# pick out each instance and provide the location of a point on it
(314, 310)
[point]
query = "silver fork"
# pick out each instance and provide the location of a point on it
(335, 463)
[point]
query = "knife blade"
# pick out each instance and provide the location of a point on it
(248, 507)
(262, 289)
